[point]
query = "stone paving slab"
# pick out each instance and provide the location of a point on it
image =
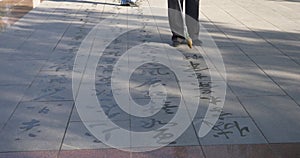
(260, 53)
(78, 137)
(232, 107)
(10, 97)
(276, 116)
(36, 126)
(50, 86)
(188, 138)
(19, 72)
(293, 92)
(232, 131)
(251, 82)
(234, 57)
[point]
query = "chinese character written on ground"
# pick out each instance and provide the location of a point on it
(29, 125)
(226, 129)
(45, 110)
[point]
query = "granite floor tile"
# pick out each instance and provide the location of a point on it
(255, 88)
(231, 108)
(29, 55)
(259, 51)
(100, 134)
(284, 76)
(44, 45)
(78, 137)
(245, 73)
(187, 138)
(50, 86)
(36, 126)
(101, 101)
(75, 116)
(293, 92)
(275, 62)
(10, 96)
(233, 57)
(276, 116)
(244, 41)
(1, 126)
(18, 71)
(139, 87)
(231, 131)
(294, 54)
(6, 53)
(161, 111)
(10, 41)
(251, 82)
(60, 62)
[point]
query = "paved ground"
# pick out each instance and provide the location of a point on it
(12, 10)
(259, 41)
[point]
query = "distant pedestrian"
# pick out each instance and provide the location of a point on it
(129, 3)
(191, 19)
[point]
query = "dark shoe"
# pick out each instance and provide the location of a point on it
(132, 4)
(176, 43)
(197, 42)
(125, 4)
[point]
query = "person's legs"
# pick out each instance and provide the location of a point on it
(175, 20)
(192, 18)
(123, 2)
(128, 2)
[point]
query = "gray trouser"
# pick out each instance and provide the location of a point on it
(191, 18)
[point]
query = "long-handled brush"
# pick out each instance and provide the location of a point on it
(185, 30)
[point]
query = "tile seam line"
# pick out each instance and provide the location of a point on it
(228, 86)
(265, 137)
(30, 84)
(212, 23)
(35, 30)
(192, 122)
(290, 19)
(157, 27)
(75, 14)
(71, 113)
(69, 25)
(255, 62)
(231, 88)
(252, 119)
(259, 17)
(65, 131)
(249, 116)
(262, 37)
(69, 120)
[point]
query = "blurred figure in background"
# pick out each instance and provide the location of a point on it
(129, 3)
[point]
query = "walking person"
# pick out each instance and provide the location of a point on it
(191, 19)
